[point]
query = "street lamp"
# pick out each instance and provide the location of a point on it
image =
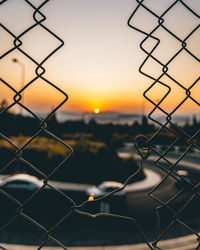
(143, 107)
(15, 60)
(22, 81)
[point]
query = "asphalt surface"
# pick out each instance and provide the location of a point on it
(105, 231)
(182, 243)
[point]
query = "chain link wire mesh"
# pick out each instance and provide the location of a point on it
(145, 146)
(168, 125)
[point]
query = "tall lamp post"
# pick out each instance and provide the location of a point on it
(22, 81)
(143, 111)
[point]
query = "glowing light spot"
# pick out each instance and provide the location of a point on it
(91, 198)
(96, 111)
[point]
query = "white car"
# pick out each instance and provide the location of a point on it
(21, 181)
(185, 180)
(105, 188)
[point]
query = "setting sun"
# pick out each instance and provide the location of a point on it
(96, 111)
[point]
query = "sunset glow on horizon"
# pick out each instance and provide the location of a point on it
(98, 66)
(96, 111)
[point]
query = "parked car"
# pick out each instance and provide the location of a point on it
(105, 188)
(21, 181)
(20, 186)
(185, 180)
(115, 204)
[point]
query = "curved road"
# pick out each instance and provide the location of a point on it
(141, 202)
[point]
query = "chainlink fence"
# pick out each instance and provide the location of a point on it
(175, 208)
(167, 124)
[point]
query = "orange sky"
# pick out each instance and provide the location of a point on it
(98, 66)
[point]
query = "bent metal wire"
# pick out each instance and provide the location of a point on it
(143, 142)
(140, 142)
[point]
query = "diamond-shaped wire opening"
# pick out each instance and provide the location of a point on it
(43, 205)
(157, 92)
(33, 40)
(174, 229)
(170, 211)
(22, 231)
(144, 20)
(15, 129)
(16, 21)
(164, 139)
(169, 103)
(181, 14)
(42, 93)
(167, 47)
(47, 154)
(152, 68)
(184, 69)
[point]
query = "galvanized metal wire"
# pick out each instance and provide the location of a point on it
(141, 142)
(168, 125)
